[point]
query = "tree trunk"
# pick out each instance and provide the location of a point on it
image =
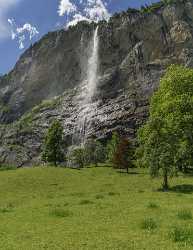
(165, 183)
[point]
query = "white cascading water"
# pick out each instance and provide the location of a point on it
(86, 105)
(92, 73)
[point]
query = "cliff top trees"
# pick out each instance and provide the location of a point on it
(52, 151)
(166, 140)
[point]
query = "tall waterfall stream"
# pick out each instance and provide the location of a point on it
(86, 105)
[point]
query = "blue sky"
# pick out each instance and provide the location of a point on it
(23, 22)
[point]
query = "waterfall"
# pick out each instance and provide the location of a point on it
(92, 73)
(89, 86)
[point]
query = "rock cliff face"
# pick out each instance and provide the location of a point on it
(134, 51)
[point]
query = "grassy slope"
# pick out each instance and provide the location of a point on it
(89, 209)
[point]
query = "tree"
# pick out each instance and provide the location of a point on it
(166, 140)
(112, 146)
(77, 157)
(99, 153)
(95, 152)
(123, 155)
(53, 144)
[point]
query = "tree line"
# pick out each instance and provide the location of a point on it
(118, 151)
(164, 143)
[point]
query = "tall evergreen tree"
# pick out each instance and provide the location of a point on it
(53, 144)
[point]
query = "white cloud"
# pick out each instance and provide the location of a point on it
(66, 7)
(5, 6)
(27, 31)
(89, 10)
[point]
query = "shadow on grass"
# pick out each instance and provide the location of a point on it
(185, 189)
(7, 168)
(125, 172)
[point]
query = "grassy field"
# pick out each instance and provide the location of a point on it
(96, 208)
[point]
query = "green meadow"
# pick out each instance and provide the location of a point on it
(93, 208)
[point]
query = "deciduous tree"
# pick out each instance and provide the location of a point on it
(166, 140)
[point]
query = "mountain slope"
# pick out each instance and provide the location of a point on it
(134, 51)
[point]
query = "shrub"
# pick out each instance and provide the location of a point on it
(152, 205)
(59, 212)
(7, 208)
(85, 202)
(99, 196)
(185, 214)
(179, 234)
(149, 224)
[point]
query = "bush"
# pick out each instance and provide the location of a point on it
(85, 202)
(152, 205)
(59, 212)
(179, 234)
(185, 214)
(149, 224)
(77, 157)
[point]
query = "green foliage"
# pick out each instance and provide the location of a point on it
(53, 144)
(151, 8)
(77, 157)
(95, 152)
(7, 208)
(152, 205)
(149, 224)
(26, 121)
(156, 6)
(85, 202)
(5, 109)
(123, 155)
(59, 212)
(166, 140)
(185, 214)
(7, 167)
(181, 234)
(47, 104)
(91, 153)
(112, 147)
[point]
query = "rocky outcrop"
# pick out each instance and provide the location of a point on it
(135, 50)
